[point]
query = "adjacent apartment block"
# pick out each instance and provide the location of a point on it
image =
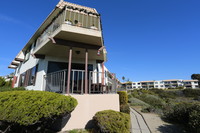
(66, 55)
(163, 84)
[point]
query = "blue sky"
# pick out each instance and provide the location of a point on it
(145, 39)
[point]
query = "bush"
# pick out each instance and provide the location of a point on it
(2, 89)
(79, 131)
(110, 121)
(2, 81)
(177, 113)
(9, 83)
(26, 108)
(165, 94)
(124, 108)
(123, 97)
(186, 114)
(194, 118)
(191, 92)
(137, 102)
(152, 100)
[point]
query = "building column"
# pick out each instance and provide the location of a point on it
(86, 71)
(102, 77)
(69, 70)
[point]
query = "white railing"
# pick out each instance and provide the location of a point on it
(57, 82)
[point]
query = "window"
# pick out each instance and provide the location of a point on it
(22, 79)
(156, 82)
(28, 78)
(27, 54)
(156, 86)
(138, 83)
(32, 77)
(133, 83)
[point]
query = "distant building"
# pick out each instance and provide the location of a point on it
(163, 84)
(8, 77)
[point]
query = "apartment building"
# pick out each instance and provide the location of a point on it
(66, 55)
(163, 84)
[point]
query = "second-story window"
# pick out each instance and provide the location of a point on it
(27, 53)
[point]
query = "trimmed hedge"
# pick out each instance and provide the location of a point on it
(125, 108)
(110, 121)
(123, 100)
(123, 97)
(2, 89)
(30, 107)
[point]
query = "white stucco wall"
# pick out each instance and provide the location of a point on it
(42, 69)
(87, 106)
(30, 63)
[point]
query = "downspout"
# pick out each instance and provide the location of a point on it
(102, 75)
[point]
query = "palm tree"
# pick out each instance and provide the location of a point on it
(123, 78)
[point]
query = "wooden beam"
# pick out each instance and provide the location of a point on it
(19, 59)
(12, 67)
(99, 61)
(39, 56)
(76, 44)
(15, 64)
(69, 71)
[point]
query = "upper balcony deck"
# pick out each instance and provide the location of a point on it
(73, 26)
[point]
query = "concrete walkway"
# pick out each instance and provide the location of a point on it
(138, 124)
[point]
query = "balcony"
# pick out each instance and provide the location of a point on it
(71, 29)
(98, 82)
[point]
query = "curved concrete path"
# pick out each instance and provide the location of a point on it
(138, 124)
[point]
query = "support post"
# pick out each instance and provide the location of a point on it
(69, 70)
(86, 71)
(102, 76)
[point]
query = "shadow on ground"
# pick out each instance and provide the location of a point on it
(171, 129)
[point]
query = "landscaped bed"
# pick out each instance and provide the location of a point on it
(36, 111)
(176, 106)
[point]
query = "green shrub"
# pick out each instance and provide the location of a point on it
(152, 100)
(2, 82)
(165, 94)
(26, 108)
(177, 113)
(194, 118)
(124, 108)
(191, 92)
(5, 88)
(110, 121)
(123, 97)
(186, 114)
(9, 83)
(79, 131)
(148, 109)
(137, 102)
